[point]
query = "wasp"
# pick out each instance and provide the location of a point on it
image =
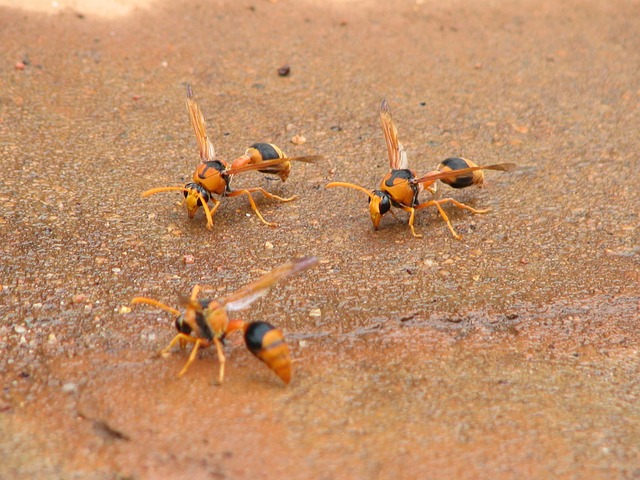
(213, 176)
(206, 322)
(401, 187)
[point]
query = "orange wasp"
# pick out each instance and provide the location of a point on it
(213, 176)
(401, 188)
(205, 322)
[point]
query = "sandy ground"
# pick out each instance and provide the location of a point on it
(512, 353)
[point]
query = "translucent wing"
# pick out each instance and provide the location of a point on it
(436, 175)
(404, 161)
(269, 163)
(397, 155)
(251, 292)
(207, 152)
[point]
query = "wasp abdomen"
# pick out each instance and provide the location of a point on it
(267, 151)
(267, 343)
(260, 152)
(465, 180)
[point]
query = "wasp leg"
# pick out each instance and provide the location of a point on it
(221, 359)
(192, 357)
(462, 205)
(436, 203)
(254, 207)
(210, 212)
(183, 338)
(444, 216)
(412, 211)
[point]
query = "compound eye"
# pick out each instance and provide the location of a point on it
(385, 204)
(182, 326)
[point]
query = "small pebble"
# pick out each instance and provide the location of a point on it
(79, 298)
(69, 387)
(268, 245)
(124, 309)
(298, 139)
(316, 312)
(284, 70)
(188, 259)
(52, 338)
(303, 343)
(19, 329)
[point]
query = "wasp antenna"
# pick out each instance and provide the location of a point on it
(350, 185)
(155, 303)
(189, 91)
(153, 191)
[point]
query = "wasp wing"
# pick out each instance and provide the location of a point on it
(436, 175)
(397, 155)
(249, 293)
(268, 163)
(207, 152)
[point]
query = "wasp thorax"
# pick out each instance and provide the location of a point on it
(211, 176)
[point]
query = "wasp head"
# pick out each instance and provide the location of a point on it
(193, 198)
(182, 326)
(379, 204)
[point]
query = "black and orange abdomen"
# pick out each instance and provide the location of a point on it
(260, 152)
(465, 180)
(267, 343)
